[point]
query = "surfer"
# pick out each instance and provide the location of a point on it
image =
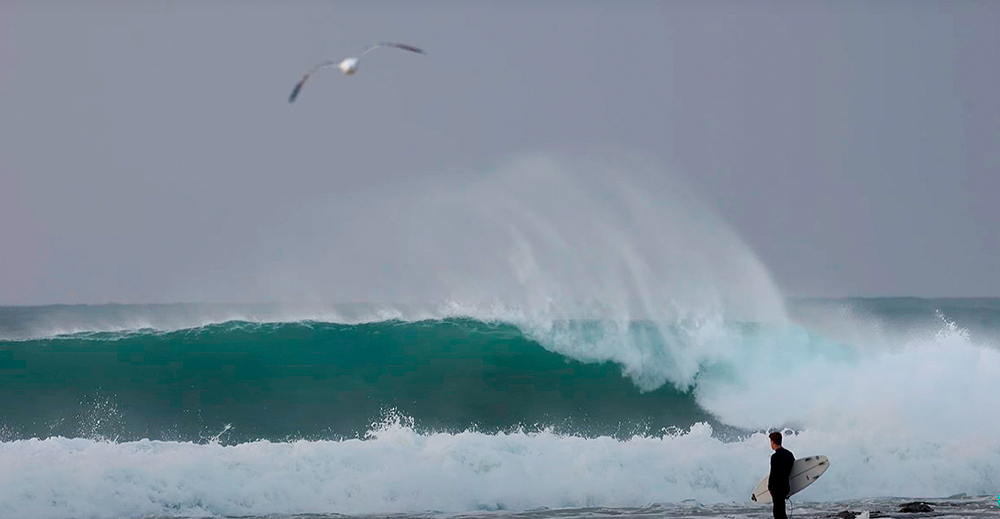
(781, 469)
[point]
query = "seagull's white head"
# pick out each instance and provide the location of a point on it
(349, 66)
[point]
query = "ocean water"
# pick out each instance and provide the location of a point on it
(376, 410)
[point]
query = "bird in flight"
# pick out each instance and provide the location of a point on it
(348, 66)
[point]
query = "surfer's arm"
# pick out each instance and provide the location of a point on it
(770, 476)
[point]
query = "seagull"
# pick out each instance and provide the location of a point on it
(349, 65)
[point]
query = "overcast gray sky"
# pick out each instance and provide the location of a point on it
(146, 147)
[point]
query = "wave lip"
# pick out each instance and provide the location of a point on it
(40, 322)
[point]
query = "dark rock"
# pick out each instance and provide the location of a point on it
(876, 513)
(915, 507)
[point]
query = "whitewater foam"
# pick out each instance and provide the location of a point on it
(926, 387)
(399, 470)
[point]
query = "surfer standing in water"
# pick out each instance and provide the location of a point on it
(781, 469)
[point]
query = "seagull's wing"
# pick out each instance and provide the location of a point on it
(298, 86)
(403, 46)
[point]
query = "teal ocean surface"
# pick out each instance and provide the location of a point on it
(314, 380)
(251, 410)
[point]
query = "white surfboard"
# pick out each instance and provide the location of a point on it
(804, 472)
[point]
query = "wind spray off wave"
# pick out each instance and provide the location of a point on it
(541, 238)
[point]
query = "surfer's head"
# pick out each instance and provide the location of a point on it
(775, 440)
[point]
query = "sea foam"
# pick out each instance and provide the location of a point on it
(399, 470)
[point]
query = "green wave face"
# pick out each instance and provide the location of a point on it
(317, 381)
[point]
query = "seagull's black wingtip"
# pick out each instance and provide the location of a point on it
(295, 92)
(410, 48)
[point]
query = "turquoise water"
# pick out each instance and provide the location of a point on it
(281, 381)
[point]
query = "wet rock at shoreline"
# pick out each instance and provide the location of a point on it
(915, 507)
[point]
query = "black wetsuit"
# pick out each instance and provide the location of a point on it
(777, 481)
